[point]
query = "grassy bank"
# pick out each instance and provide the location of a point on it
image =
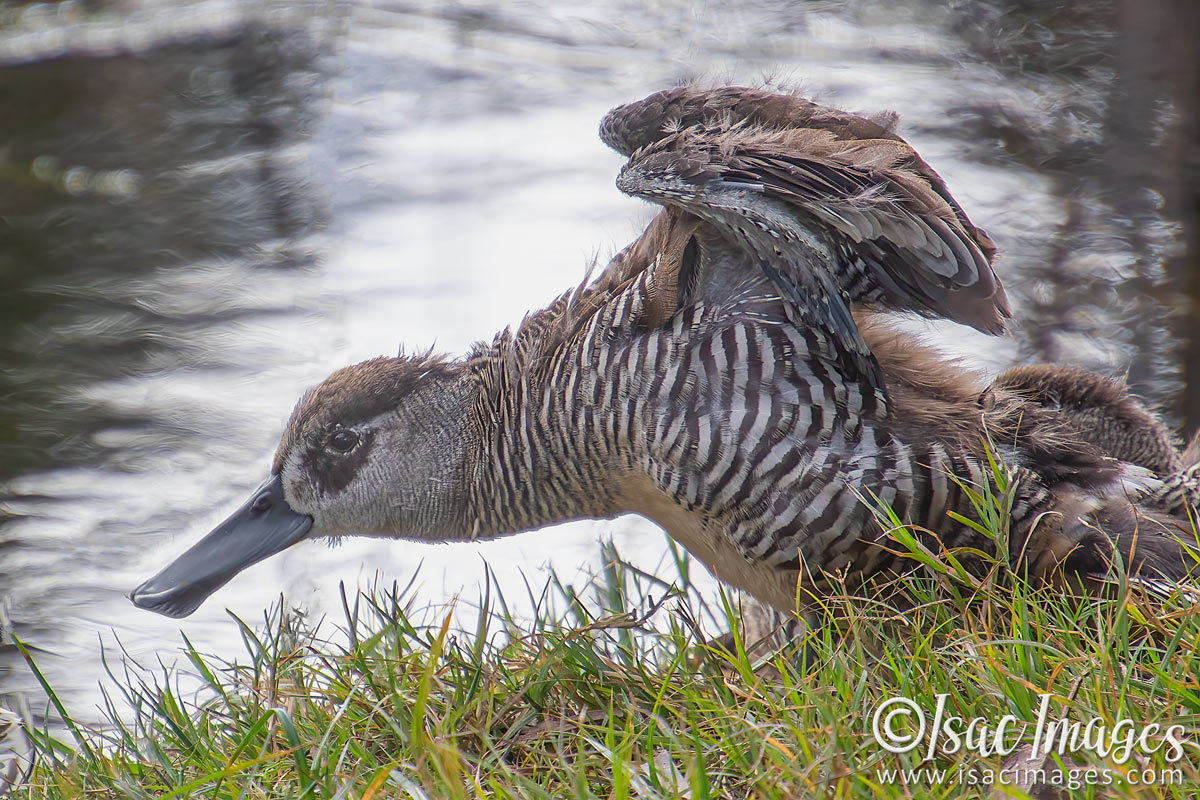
(615, 691)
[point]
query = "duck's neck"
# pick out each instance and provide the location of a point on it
(497, 470)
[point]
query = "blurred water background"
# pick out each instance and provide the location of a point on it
(207, 206)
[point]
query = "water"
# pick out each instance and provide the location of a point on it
(206, 207)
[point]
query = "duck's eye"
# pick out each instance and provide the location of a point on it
(343, 441)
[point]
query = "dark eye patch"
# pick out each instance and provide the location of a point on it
(331, 468)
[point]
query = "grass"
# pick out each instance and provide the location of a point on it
(614, 690)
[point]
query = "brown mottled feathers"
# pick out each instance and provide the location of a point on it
(632, 126)
(1099, 409)
(666, 247)
(674, 270)
(1191, 453)
(1078, 542)
(1073, 428)
(936, 400)
(892, 219)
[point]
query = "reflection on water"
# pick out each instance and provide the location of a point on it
(128, 182)
(204, 207)
(1101, 104)
(153, 206)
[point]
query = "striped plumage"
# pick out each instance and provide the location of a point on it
(734, 427)
(699, 381)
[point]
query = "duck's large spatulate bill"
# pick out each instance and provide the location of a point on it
(263, 526)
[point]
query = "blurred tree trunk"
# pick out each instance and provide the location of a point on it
(1156, 60)
(1185, 155)
(1143, 74)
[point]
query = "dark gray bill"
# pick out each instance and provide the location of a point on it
(263, 526)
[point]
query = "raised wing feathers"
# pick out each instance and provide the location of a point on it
(630, 127)
(899, 238)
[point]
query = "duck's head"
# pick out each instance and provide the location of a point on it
(375, 450)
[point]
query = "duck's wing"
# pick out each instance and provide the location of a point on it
(786, 176)
(769, 241)
(632, 126)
